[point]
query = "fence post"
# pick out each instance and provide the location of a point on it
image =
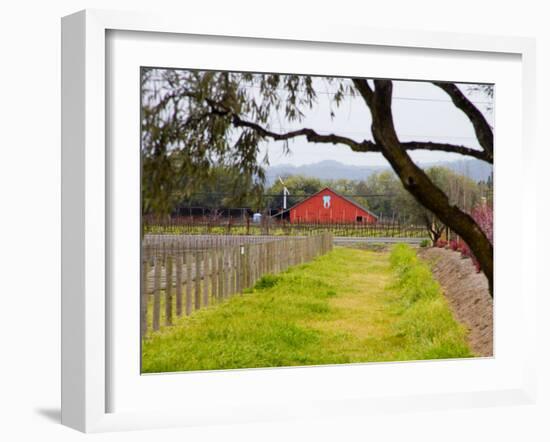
(258, 262)
(237, 258)
(178, 258)
(240, 271)
(198, 274)
(168, 291)
(252, 265)
(270, 257)
(220, 274)
(206, 277)
(248, 265)
(214, 275)
(263, 252)
(144, 296)
(188, 282)
(227, 273)
(234, 270)
(156, 292)
(287, 257)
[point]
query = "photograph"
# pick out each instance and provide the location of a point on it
(292, 220)
(230, 222)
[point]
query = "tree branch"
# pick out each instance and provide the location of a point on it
(364, 89)
(356, 146)
(483, 130)
(444, 147)
(310, 134)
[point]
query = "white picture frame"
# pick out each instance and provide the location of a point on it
(86, 203)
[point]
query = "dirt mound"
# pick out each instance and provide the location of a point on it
(468, 295)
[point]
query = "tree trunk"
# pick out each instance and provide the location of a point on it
(434, 234)
(419, 185)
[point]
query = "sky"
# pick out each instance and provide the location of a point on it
(422, 112)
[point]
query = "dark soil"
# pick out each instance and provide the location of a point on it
(468, 295)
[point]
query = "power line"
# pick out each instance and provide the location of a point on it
(404, 98)
(344, 94)
(279, 195)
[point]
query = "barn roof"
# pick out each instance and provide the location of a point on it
(336, 193)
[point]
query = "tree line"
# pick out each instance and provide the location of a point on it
(381, 193)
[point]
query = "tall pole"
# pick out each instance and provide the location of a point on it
(285, 193)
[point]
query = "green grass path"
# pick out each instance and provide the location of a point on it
(344, 307)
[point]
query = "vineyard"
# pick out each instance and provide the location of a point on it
(230, 226)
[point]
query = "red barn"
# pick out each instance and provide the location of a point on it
(326, 206)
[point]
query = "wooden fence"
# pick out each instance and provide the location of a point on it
(181, 274)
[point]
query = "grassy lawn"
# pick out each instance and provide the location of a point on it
(348, 306)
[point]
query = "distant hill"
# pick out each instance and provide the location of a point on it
(333, 170)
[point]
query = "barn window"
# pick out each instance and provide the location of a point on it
(359, 219)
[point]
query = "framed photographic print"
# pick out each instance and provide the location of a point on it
(269, 223)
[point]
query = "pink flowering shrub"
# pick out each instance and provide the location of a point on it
(441, 243)
(483, 216)
(464, 250)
